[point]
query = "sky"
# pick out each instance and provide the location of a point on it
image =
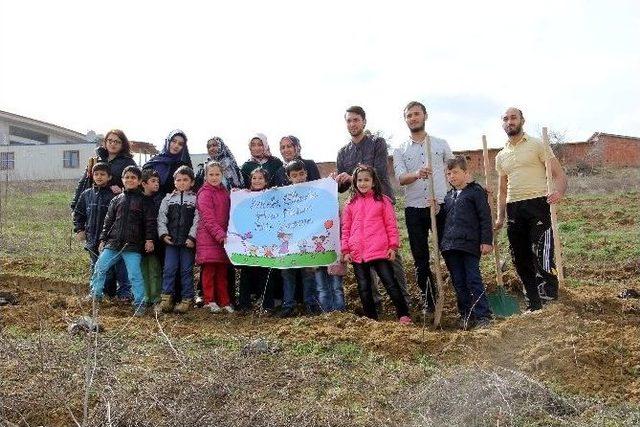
(289, 67)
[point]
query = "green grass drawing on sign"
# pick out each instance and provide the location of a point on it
(309, 259)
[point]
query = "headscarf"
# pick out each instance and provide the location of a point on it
(267, 152)
(231, 172)
(296, 144)
(163, 162)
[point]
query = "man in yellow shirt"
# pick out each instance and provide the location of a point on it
(523, 197)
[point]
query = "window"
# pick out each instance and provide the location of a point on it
(7, 161)
(28, 134)
(71, 159)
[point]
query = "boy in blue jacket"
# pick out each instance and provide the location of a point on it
(467, 235)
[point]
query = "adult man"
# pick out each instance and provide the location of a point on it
(523, 196)
(410, 164)
(366, 149)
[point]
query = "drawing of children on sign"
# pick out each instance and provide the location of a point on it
(284, 246)
(294, 226)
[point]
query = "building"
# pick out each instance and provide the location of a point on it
(34, 150)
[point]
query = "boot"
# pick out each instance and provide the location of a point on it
(183, 306)
(166, 304)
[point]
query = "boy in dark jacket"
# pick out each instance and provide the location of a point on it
(467, 235)
(88, 218)
(177, 225)
(128, 230)
(151, 266)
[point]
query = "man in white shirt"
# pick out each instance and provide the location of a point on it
(410, 164)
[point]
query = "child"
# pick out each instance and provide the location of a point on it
(128, 229)
(256, 280)
(467, 234)
(297, 173)
(370, 240)
(177, 225)
(329, 286)
(213, 208)
(88, 217)
(151, 267)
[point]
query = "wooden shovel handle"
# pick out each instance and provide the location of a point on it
(496, 252)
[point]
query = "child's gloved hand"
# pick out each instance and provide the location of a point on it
(391, 255)
(167, 240)
(81, 236)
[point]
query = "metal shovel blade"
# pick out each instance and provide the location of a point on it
(502, 304)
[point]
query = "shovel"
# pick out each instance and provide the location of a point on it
(502, 304)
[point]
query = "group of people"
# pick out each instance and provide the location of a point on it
(144, 228)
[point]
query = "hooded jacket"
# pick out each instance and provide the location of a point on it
(178, 217)
(213, 207)
(129, 222)
(369, 228)
(90, 212)
(467, 222)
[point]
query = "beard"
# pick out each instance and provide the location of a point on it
(417, 128)
(514, 131)
(356, 133)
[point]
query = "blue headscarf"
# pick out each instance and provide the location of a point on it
(163, 163)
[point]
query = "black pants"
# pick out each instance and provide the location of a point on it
(259, 279)
(384, 270)
(418, 222)
(531, 242)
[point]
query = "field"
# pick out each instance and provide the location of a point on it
(576, 363)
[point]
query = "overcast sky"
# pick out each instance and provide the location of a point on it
(235, 68)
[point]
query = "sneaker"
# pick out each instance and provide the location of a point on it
(214, 308)
(483, 323)
(166, 303)
(405, 320)
(286, 312)
(139, 310)
(199, 302)
(228, 309)
(183, 306)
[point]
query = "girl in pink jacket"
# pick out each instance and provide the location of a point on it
(370, 241)
(213, 207)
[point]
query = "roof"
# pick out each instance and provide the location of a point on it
(596, 135)
(48, 126)
(142, 147)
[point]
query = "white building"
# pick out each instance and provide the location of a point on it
(35, 150)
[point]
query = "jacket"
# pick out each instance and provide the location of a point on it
(369, 228)
(213, 207)
(129, 222)
(89, 214)
(117, 165)
(178, 217)
(313, 173)
(467, 222)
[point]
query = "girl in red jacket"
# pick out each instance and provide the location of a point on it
(370, 241)
(213, 207)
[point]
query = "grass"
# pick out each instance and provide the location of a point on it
(304, 259)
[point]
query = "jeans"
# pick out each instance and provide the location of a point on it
(178, 259)
(401, 277)
(110, 257)
(116, 274)
(418, 222)
(308, 288)
(152, 275)
(467, 282)
(384, 270)
(330, 292)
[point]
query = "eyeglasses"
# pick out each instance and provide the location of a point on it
(113, 141)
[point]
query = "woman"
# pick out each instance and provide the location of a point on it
(260, 157)
(290, 150)
(174, 154)
(219, 152)
(115, 150)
